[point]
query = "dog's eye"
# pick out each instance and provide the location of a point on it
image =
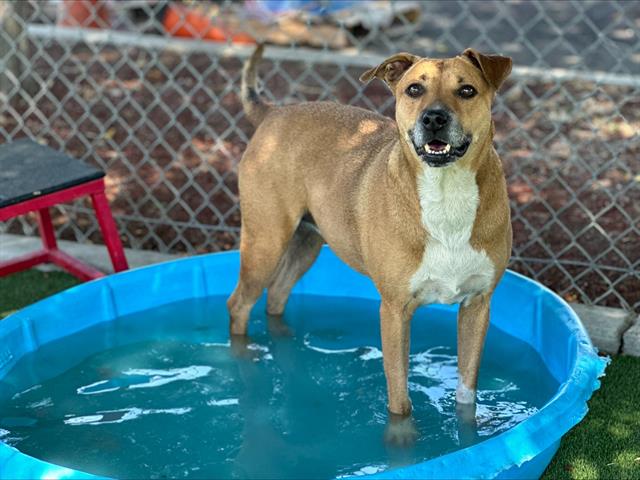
(467, 91)
(415, 90)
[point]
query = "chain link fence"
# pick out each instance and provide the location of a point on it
(148, 91)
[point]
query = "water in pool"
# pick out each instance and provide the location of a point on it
(162, 394)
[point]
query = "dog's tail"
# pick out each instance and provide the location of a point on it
(254, 107)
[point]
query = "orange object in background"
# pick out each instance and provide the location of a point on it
(84, 13)
(181, 21)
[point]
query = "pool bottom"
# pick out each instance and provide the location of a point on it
(162, 394)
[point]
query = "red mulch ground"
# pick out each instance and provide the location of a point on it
(158, 121)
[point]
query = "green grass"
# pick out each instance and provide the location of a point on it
(605, 445)
(24, 288)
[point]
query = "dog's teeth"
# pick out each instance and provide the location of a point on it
(444, 151)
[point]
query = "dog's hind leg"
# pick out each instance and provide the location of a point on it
(265, 235)
(302, 251)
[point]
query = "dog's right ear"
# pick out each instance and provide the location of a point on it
(391, 70)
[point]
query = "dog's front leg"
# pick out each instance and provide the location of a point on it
(395, 324)
(473, 320)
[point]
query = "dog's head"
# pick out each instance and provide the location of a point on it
(443, 107)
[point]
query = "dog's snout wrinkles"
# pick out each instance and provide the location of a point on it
(435, 119)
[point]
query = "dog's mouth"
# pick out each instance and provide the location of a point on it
(436, 147)
(438, 153)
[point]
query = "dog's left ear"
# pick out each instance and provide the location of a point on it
(495, 68)
(391, 70)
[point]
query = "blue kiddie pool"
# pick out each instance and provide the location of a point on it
(133, 375)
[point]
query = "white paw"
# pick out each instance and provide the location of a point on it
(465, 395)
(400, 432)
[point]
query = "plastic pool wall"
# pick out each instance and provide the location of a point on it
(520, 307)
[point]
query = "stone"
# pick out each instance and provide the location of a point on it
(631, 340)
(605, 325)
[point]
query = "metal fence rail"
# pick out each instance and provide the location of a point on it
(161, 114)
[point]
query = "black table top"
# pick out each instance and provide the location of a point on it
(29, 170)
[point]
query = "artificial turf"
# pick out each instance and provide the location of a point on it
(24, 288)
(605, 445)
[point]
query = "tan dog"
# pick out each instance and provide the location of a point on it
(419, 205)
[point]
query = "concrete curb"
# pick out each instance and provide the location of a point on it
(606, 326)
(631, 339)
(612, 330)
(12, 246)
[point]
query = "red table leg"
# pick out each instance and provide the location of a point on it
(54, 255)
(46, 230)
(50, 251)
(74, 266)
(23, 262)
(109, 231)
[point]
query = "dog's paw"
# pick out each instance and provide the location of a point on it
(466, 413)
(400, 431)
(467, 424)
(277, 326)
(240, 347)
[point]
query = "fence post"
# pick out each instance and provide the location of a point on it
(8, 61)
(13, 18)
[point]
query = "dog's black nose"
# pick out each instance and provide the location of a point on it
(435, 119)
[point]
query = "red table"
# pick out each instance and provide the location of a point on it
(34, 178)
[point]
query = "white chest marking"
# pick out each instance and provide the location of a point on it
(451, 270)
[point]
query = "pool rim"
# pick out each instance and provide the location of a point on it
(507, 454)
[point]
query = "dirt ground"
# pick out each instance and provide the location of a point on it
(169, 131)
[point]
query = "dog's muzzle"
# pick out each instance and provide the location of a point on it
(439, 153)
(438, 138)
